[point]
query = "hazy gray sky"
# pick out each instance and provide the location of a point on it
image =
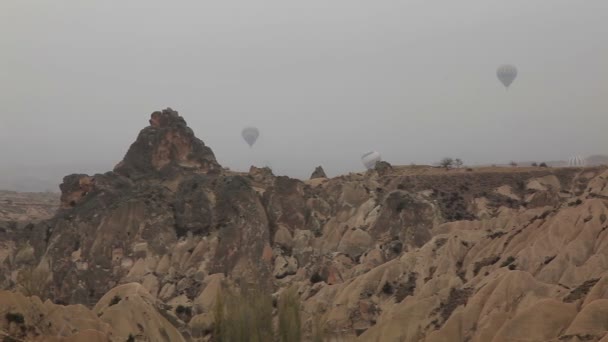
(324, 81)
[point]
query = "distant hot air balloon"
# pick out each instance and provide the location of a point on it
(370, 159)
(250, 134)
(577, 161)
(506, 73)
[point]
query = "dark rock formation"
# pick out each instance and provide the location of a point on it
(165, 147)
(383, 167)
(74, 188)
(318, 173)
(262, 175)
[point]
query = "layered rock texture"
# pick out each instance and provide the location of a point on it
(394, 254)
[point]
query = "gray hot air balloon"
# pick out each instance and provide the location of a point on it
(506, 73)
(370, 159)
(250, 134)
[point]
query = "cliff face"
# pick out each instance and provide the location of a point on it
(397, 253)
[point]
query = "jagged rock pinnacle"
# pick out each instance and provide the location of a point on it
(318, 173)
(166, 146)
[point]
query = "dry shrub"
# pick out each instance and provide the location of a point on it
(244, 316)
(319, 329)
(290, 320)
(33, 281)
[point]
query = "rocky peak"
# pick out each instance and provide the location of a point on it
(167, 146)
(261, 174)
(318, 173)
(383, 167)
(74, 188)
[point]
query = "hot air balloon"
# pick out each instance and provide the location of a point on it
(577, 161)
(250, 134)
(370, 159)
(506, 73)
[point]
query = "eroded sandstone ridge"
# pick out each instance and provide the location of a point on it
(393, 254)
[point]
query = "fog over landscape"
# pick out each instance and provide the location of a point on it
(248, 171)
(324, 82)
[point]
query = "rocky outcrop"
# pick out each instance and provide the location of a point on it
(74, 188)
(383, 167)
(134, 313)
(318, 173)
(165, 147)
(30, 319)
(391, 254)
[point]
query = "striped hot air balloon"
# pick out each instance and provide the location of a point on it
(577, 161)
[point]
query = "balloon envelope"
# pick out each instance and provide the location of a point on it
(506, 73)
(250, 134)
(370, 159)
(576, 161)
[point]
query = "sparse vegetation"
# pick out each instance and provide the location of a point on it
(406, 288)
(485, 262)
(581, 291)
(495, 235)
(115, 300)
(535, 164)
(387, 288)
(513, 164)
(184, 312)
(508, 261)
(549, 259)
(33, 281)
(319, 329)
(446, 163)
(458, 163)
(245, 316)
(14, 317)
(316, 278)
(290, 322)
(402, 204)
